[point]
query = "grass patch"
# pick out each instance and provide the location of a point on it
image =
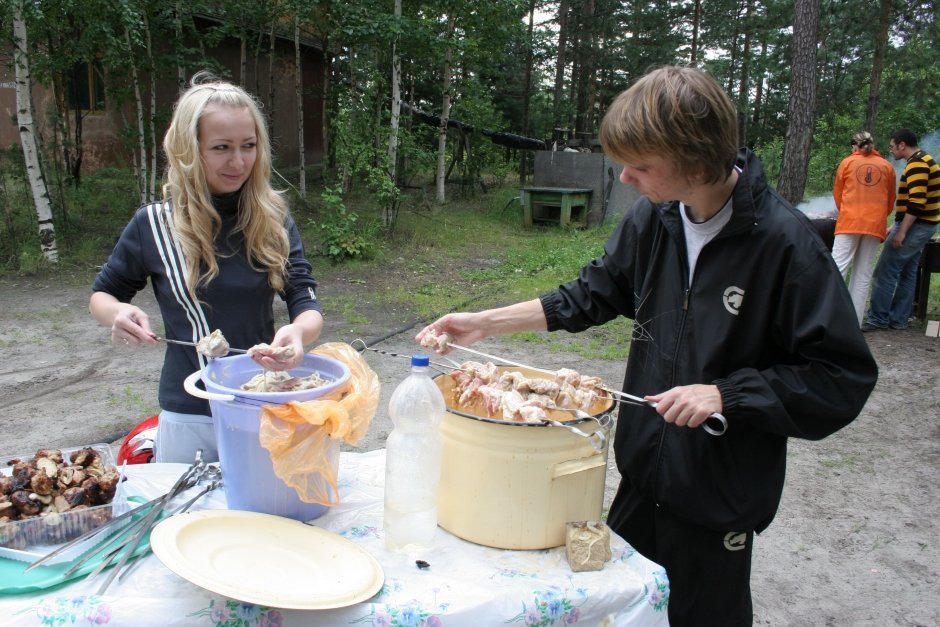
(470, 253)
(129, 399)
(840, 461)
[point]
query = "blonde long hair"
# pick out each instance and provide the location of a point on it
(864, 142)
(262, 209)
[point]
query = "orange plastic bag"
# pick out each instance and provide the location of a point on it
(303, 438)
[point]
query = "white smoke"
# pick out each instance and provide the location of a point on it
(825, 206)
(929, 143)
(819, 207)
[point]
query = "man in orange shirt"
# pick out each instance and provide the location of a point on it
(864, 191)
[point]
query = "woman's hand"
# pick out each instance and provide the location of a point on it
(302, 331)
(290, 338)
(131, 326)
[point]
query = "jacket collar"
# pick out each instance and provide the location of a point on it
(751, 185)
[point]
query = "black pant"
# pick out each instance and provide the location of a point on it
(709, 571)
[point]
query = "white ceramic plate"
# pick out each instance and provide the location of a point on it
(266, 560)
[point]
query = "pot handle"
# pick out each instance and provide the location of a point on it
(189, 384)
(598, 439)
(573, 466)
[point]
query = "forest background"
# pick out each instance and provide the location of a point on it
(805, 76)
(405, 220)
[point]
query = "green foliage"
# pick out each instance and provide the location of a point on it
(341, 237)
(415, 152)
(830, 147)
(18, 216)
(490, 49)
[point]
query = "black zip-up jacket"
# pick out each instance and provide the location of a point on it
(767, 318)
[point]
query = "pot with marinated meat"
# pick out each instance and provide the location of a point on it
(510, 479)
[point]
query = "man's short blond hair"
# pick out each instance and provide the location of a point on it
(679, 114)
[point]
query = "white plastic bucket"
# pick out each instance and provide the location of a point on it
(250, 481)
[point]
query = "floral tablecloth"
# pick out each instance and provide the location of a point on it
(466, 584)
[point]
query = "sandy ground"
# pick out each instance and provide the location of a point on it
(856, 540)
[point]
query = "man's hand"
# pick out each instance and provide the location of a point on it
(461, 328)
(898, 240)
(688, 405)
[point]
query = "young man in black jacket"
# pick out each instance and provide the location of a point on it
(738, 309)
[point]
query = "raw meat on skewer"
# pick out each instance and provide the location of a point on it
(510, 395)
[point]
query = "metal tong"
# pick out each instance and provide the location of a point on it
(129, 529)
(719, 423)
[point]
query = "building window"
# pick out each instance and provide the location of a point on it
(86, 87)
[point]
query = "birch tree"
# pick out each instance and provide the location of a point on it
(388, 214)
(141, 116)
(440, 178)
(24, 118)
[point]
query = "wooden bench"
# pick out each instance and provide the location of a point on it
(573, 204)
(929, 264)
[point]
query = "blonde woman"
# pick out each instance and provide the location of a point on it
(216, 250)
(864, 191)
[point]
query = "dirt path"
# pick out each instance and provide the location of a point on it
(855, 541)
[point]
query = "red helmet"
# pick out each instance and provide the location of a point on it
(137, 447)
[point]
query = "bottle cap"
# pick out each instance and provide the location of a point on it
(420, 360)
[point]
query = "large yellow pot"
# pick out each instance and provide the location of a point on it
(514, 485)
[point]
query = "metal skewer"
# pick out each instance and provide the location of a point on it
(194, 345)
(721, 423)
(213, 484)
(365, 347)
(105, 530)
(500, 359)
(149, 520)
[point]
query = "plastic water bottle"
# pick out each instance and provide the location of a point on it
(413, 460)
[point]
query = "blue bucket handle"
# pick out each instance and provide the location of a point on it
(189, 384)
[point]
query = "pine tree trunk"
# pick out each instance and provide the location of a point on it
(256, 58)
(560, 63)
(327, 83)
(271, 79)
(299, 93)
(744, 85)
(243, 60)
(696, 22)
(178, 27)
(801, 111)
(445, 114)
(877, 65)
(587, 43)
(759, 90)
(527, 90)
(733, 60)
(24, 119)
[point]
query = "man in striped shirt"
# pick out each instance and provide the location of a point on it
(916, 215)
